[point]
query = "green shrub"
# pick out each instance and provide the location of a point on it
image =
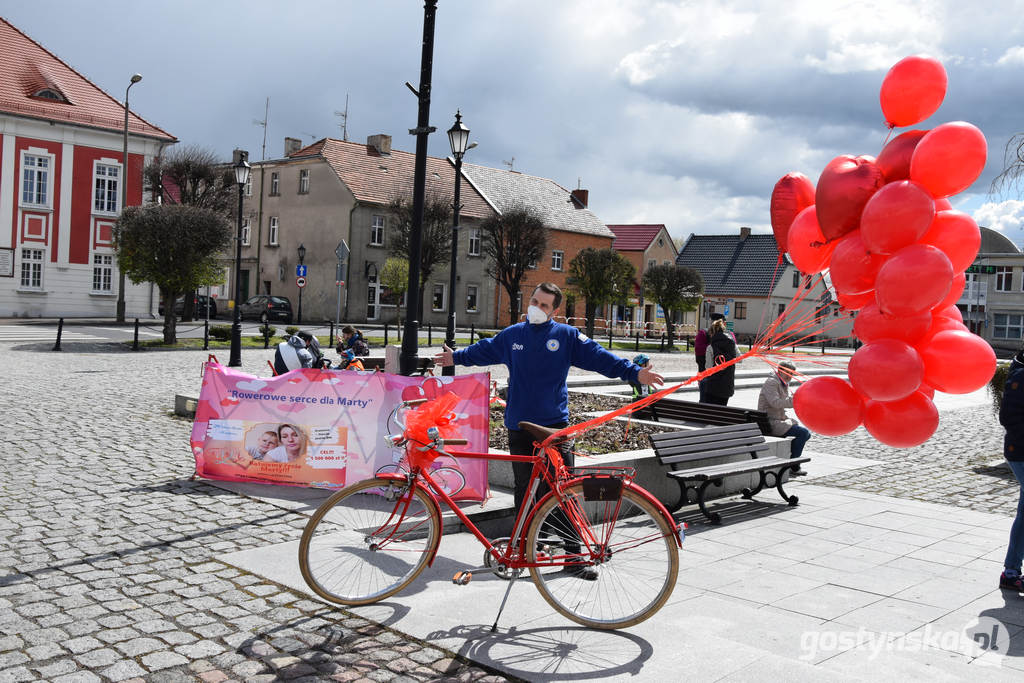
(221, 332)
(267, 330)
(996, 385)
(483, 334)
(291, 330)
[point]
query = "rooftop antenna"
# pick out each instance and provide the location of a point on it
(579, 183)
(511, 164)
(312, 138)
(266, 117)
(343, 115)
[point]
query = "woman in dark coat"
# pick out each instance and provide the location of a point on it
(719, 386)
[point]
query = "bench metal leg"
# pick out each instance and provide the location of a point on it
(792, 500)
(713, 517)
(762, 479)
(684, 497)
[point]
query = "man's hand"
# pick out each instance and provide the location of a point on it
(649, 376)
(444, 358)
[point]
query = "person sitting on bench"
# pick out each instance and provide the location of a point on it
(774, 399)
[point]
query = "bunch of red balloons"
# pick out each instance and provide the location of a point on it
(895, 251)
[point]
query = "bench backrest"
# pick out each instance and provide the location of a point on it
(686, 445)
(705, 413)
(423, 364)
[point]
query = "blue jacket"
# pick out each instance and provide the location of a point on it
(1011, 412)
(538, 359)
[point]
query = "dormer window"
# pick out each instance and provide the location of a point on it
(50, 94)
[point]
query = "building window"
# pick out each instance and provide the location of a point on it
(556, 259)
(471, 291)
(35, 180)
(807, 281)
(437, 299)
(275, 184)
(796, 279)
(474, 242)
(105, 188)
(377, 231)
(1004, 278)
(1008, 326)
(651, 263)
(740, 312)
(272, 233)
(246, 232)
(782, 310)
(102, 272)
(248, 186)
(304, 181)
(32, 268)
(532, 265)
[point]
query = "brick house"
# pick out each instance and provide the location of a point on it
(61, 169)
(644, 246)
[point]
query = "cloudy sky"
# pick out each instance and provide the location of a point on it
(677, 112)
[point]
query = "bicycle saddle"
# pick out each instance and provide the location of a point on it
(539, 433)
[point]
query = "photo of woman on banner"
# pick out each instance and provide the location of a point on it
(293, 444)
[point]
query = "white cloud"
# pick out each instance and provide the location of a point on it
(1007, 217)
(1013, 56)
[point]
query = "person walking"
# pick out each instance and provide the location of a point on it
(538, 354)
(720, 386)
(1011, 417)
(774, 399)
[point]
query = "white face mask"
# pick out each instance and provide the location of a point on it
(536, 316)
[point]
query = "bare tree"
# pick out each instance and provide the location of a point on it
(601, 276)
(436, 241)
(512, 241)
(675, 289)
(1009, 181)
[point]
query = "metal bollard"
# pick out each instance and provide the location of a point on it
(206, 335)
(266, 335)
(135, 344)
(636, 347)
(823, 347)
(472, 333)
(609, 338)
(330, 335)
(661, 347)
(385, 334)
(430, 334)
(60, 331)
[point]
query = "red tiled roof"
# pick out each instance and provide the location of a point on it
(28, 67)
(634, 237)
(376, 178)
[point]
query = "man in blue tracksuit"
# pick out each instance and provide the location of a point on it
(538, 354)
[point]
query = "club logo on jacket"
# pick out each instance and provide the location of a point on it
(517, 347)
(552, 344)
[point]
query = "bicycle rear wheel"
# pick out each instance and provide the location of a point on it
(633, 552)
(369, 541)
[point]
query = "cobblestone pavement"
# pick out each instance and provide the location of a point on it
(109, 563)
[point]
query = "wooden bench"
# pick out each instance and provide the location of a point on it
(677, 449)
(424, 365)
(678, 411)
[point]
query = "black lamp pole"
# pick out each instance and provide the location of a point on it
(302, 257)
(241, 177)
(458, 136)
(124, 195)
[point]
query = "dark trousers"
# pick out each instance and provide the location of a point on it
(717, 400)
(521, 443)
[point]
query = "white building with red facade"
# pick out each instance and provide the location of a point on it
(61, 170)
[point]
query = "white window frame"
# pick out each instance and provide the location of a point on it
(103, 272)
(377, 224)
(796, 279)
(1004, 284)
(275, 183)
(303, 181)
(652, 262)
(274, 232)
(101, 181)
(248, 185)
(740, 310)
(472, 295)
(532, 265)
(1010, 321)
(557, 259)
(444, 297)
(46, 172)
(474, 242)
(246, 232)
(31, 270)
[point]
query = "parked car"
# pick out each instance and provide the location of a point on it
(264, 307)
(200, 306)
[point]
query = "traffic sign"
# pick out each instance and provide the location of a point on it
(300, 270)
(301, 282)
(342, 251)
(340, 283)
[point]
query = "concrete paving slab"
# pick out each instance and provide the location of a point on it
(951, 592)
(827, 601)
(920, 665)
(891, 614)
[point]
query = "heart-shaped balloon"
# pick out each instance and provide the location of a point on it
(894, 159)
(845, 186)
(792, 194)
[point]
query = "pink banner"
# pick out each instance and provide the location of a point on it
(324, 428)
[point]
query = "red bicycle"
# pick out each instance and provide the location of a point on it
(601, 550)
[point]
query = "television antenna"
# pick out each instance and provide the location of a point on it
(266, 117)
(343, 115)
(511, 164)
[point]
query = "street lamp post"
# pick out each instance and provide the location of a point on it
(302, 257)
(241, 177)
(124, 194)
(458, 137)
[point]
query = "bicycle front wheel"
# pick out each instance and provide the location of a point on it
(626, 565)
(369, 541)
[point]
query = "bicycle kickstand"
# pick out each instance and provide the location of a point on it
(515, 576)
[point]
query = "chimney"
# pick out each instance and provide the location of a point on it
(381, 143)
(744, 233)
(581, 197)
(291, 146)
(239, 154)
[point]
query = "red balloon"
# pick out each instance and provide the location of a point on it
(894, 159)
(956, 289)
(942, 204)
(792, 194)
(902, 424)
(927, 390)
(912, 90)
(807, 245)
(886, 370)
(844, 187)
(958, 362)
(956, 234)
(896, 216)
(828, 406)
(951, 312)
(871, 325)
(949, 158)
(913, 280)
(940, 323)
(855, 302)
(852, 268)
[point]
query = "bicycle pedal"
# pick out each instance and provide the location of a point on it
(462, 578)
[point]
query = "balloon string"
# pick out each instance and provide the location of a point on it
(892, 127)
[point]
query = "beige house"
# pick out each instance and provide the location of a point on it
(645, 246)
(993, 300)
